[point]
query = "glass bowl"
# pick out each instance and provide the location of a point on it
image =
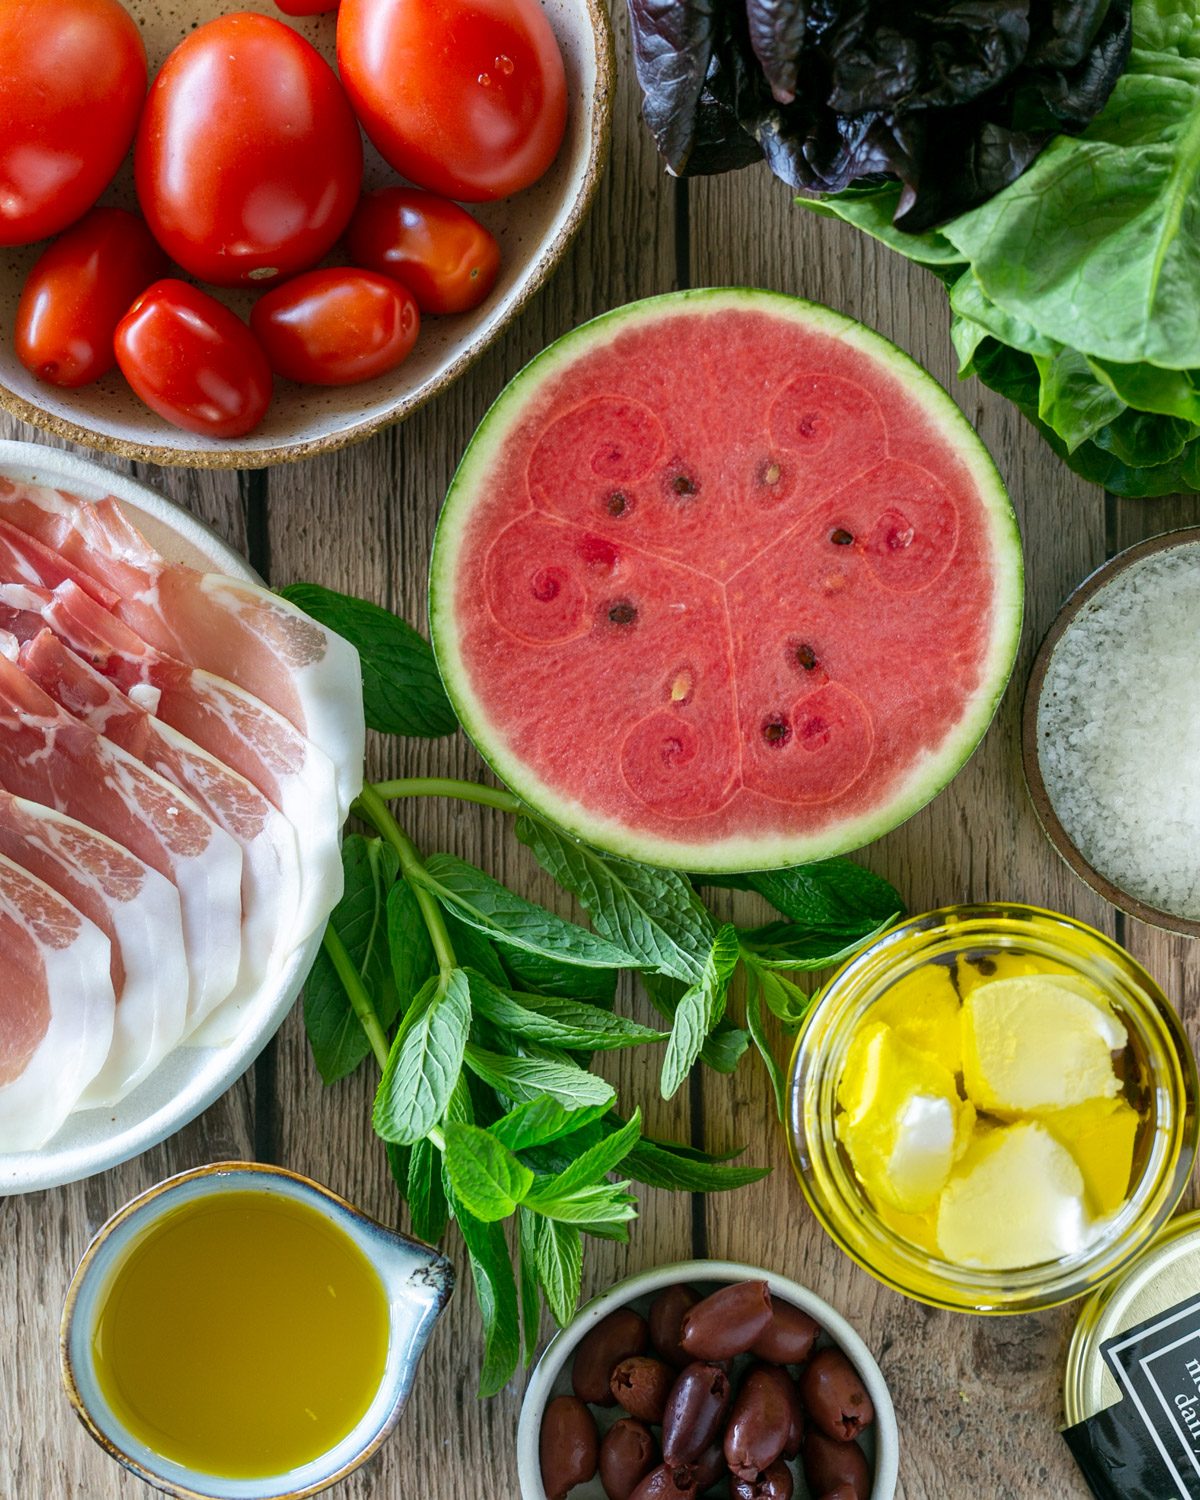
(1164, 1151)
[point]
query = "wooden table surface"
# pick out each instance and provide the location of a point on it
(978, 1400)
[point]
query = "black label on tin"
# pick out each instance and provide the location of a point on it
(1147, 1446)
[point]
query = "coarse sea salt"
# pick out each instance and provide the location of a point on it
(1119, 730)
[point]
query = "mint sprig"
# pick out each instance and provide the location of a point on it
(482, 1010)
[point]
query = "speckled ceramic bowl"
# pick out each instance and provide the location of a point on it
(552, 1377)
(416, 1280)
(534, 229)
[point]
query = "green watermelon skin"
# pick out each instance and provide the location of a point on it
(725, 581)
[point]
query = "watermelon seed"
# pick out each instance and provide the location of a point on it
(545, 586)
(769, 473)
(776, 731)
(617, 504)
(684, 485)
(622, 612)
(840, 537)
(807, 657)
(681, 688)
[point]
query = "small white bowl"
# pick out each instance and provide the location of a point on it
(552, 1376)
(534, 229)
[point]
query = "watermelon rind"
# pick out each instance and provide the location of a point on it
(927, 777)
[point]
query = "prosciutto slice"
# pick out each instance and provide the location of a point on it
(275, 917)
(136, 909)
(49, 757)
(233, 629)
(56, 1008)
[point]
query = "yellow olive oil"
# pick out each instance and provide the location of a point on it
(243, 1335)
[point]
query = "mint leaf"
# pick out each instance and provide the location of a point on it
(756, 1025)
(602, 1203)
(335, 1034)
(699, 1010)
(602, 1229)
(425, 1060)
(427, 1205)
(559, 1257)
(831, 895)
(496, 1291)
(788, 945)
(783, 998)
(486, 1177)
(534, 971)
(527, 1078)
(557, 1022)
(497, 912)
(594, 1164)
(543, 1119)
(413, 962)
(655, 1165)
(402, 689)
(531, 1302)
(473, 951)
(398, 1159)
(655, 915)
(725, 1043)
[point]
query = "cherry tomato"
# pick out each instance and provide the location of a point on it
(336, 327)
(72, 84)
(79, 291)
(306, 7)
(193, 362)
(248, 158)
(446, 259)
(466, 97)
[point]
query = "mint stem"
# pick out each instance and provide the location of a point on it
(360, 1000)
(374, 809)
(446, 786)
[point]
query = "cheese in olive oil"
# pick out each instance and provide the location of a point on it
(243, 1335)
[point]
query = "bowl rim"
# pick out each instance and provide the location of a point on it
(599, 145)
(1031, 764)
(834, 1323)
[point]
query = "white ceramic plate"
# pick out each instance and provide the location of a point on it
(190, 1078)
(552, 1376)
(534, 229)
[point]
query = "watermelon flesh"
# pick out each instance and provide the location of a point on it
(726, 581)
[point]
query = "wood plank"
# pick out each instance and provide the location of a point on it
(42, 1235)
(977, 1399)
(362, 521)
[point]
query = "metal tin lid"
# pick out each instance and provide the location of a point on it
(1167, 1272)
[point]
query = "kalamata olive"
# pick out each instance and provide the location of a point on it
(641, 1385)
(569, 1445)
(663, 1484)
(788, 1338)
(835, 1397)
(728, 1322)
(830, 1465)
(790, 1393)
(666, 1314)
(759, 1423)
(695, 1410)
(617, 1337)
(843, 1492)
(775, 1483)
(627, 1455)
(709, 1467)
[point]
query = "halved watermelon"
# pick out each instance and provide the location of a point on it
(725, 581)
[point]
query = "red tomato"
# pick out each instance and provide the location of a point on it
(466, 97)
(446, 259)
(306, 7)
(336, 327)
(193, 362)
(72, 84)
(79, 291)
(248, 157)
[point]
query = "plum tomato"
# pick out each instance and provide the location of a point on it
(79, 291)
(446, 259)
(72, 85)
(465, 97)
(336, 327)
(193, 362)
(248, 157)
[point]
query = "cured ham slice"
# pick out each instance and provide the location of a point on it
(233, 629)
(275, 917)
(49, 757)
(23, 559)
(223, 719)
(136, 909)
(56, 1008)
